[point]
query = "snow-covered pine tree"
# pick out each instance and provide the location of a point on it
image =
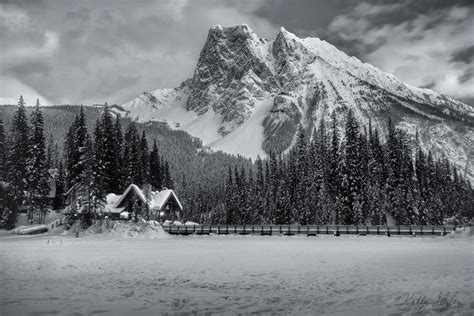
(95, 193)
(335, 172)
(3, 152)
(49, 153)
(8, 201)
(167, 178)
(260, 192)
(352, 190)
(144, 158)
(118, 179)
(18, 152)
(155, 177)
(376, 178)
(421, 173)
(107, 161)
(58, 201)
(37, 170)
(301, 181)
(229, 197)
(74, 149)
(131, 158)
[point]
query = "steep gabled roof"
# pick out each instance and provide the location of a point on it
(131, 187)
(157, 201)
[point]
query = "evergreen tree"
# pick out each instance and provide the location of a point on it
(75, 149)
(131, 159)
(18, 152)
(8, 200)
(58, 201)
(95, 193)
(335, 174)
(107, 162)
(260, 191)
(155, 176)
(37, 169)
(167, 179)
(352, 168)
(144, 158)
(118, 179)
(3, 152)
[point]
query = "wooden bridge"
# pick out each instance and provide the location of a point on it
(310, 230)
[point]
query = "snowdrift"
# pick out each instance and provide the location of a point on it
(461, 232)
(144, 229)
(30, 230)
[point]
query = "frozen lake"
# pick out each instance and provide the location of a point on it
(236, 274)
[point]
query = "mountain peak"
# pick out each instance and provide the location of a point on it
(248, 96)
(232, 32)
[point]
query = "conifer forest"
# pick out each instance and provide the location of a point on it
(338, 173)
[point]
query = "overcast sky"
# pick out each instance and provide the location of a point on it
(92, 51)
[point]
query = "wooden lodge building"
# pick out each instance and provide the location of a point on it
(160, 205)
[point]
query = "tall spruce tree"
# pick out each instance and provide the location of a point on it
(144, 158)
(18, 152)
(8, 199)
(58, 201)
(37, 169)
(75, 149)
(107, 162)
(155, 175)
(3, 152)
(131, 158)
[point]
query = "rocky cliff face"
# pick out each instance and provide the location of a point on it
(248, 95)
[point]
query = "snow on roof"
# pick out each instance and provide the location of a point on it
(112, 198)
(157, 201)
(133, 187)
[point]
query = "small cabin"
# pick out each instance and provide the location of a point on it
(160, 205)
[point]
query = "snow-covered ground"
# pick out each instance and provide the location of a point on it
(97, 274)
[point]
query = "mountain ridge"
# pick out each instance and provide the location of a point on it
(248, 95)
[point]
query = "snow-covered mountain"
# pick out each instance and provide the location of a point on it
(249, 94)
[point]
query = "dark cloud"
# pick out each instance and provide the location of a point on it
(465, 55)
(30, 68)
(466, 76)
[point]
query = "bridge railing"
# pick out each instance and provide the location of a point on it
(309, 230)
